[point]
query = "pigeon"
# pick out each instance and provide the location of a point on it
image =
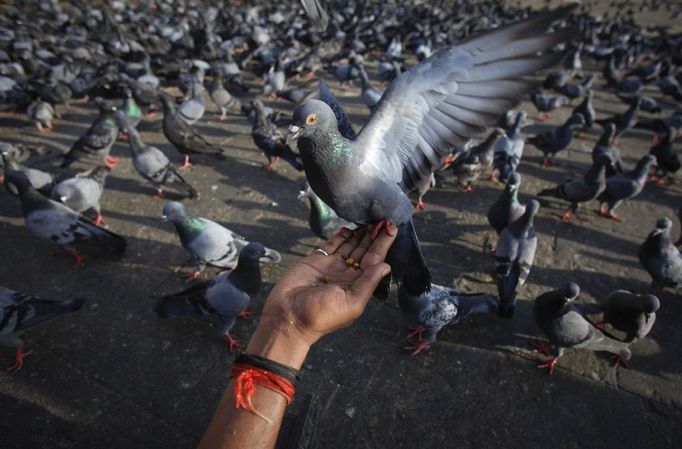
(208, 242)
(424, 109)
(133, 113)
(556, 80)
(21, 311)
(586, 109)
(42, 113)
(223, 99)
(429, 312)
(567, 328)
(646, 104)
(316, 13)
(667, 159)
(224, 297)
(605, 146)
(625, 121)
(55, 223)
(573, 91)
(146, 95)
(514, 257)
(509, 150)
(97, 140)
(322, 219)
(153, 165)
(624, 187)
(630, 313)
(546, 103)
(83, 192)
(507, 208)
(424, 187)
(370, 95)
(192, 110)
(555, 139)
(40, 180)
(271, 140)
(477, 159)
(578, 191)
(183, 137)
(661, 259)
(275, 80)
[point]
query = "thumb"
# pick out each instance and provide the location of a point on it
(364, 286)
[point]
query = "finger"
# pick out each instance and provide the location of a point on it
(362, 247)
(347, 248)
(377, 251)
(364, 286)
(338, 239)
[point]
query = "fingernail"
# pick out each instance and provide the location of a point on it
(387, 269)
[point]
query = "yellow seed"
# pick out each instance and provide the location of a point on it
(325, 279)
(356, 266)
(350, 261)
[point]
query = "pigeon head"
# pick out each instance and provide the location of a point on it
(576, 120)
(645, 163)
(571, 291)
(650, 304)
(304, 192)
(663, 224)
(513, 181)
(255, 252)
(309, 117)
(173, 211)
(604, 160)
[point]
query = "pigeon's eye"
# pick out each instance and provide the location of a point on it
(311, 119)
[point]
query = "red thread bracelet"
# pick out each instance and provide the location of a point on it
(247, 377)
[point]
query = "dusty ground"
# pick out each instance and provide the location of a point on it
(114, 375)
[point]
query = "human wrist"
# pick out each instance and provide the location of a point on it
(278, 340)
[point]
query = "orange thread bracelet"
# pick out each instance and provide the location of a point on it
(247, 377)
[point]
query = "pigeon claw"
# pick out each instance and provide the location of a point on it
(418, 331)
(551, 364)
(77, 259)
(192, 276)
(617, 360)
(566, 217)
(159, 194)
(246, 314)
(420, 205)
(541, 347)
(111, 162)
(232, 342)
(418, 347)
(185, 165)
(385, 224)
(19, 357)
(468, 189)
(99, 220)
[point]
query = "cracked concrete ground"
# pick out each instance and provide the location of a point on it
(114, 375)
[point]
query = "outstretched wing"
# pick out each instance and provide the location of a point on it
(453, 94)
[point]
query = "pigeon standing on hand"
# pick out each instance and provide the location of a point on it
(55, 223)
(428, 313)
(514, 258)
(567, 328)
(442, 100)
(208, 242)
(20, 311)
(225, 297)
(661, 259)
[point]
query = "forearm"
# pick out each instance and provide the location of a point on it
(233, 427)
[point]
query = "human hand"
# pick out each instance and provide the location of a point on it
(321, 294)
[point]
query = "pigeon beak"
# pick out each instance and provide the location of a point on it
(270, 257)
(293, 134)
(301, 195)
(164, 218)
(63, 199)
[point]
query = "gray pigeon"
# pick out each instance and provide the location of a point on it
(555, 139)
(443, 100)
(224, 297)
(193, 109)
(55, 223)
(316, 13)
(507, 208)
(97, 140)
(323, 220)
(208, 242)
(153, 165)
(546, 103)
(475, 160)
(630, 313)
(370, 95)
(582, 190)
(567, 328)
(40, 180)
(223, 99)
(514, 258)
(42, 113)
(605, 145)
(83, 192)
(661, 259)
(428, 313)
(183, 137)
(509, 150)
(624, 187)
(20, 311)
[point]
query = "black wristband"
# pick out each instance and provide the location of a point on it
(287, 372)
